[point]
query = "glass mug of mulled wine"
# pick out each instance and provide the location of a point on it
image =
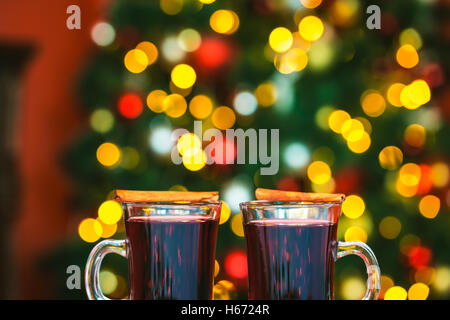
(170, 246)
(292, 248)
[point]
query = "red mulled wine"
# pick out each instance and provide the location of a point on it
(290, 259)
(170, 256)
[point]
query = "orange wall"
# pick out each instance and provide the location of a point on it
(50, 118)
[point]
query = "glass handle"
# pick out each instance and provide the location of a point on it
(363, 251)
(92, 271)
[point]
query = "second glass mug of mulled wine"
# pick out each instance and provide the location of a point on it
(292, 249)
(170, 246)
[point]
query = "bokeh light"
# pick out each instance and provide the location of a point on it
(171, 7)
(235, 193)
(236, 225)
(103, 34)
(440, 174)
(393, 94)
(355, 233)
(319, 172)
(415, 135)
(200, 106)
(108, 230)
(296, 155)
(396, 293)
(224, 290)
(407, 56)
(155, 100)
(311, 28)
(410, 174)
(419, 92)
(337, 119)
(266, 94)
(353, 206)
(108, 281)
(102, 120)
(150, 50)
(188, 141)
(373, 103)
(361, 145)
(441, 282)
(390, 158)
(236, 264)
(216, 268)
(224, 21)
(136, 61)
(183, 76)
(352, 288)
(412, 37)
(429, 206)
(130, 105)
(174, 105)
(352, 130)
(110, 212)
(418, 291)
(245, 103)
(223, 117)
(311, 4)
(160, 138)
(280, 39)
(189, 40)
(225, 213)
(171, 50)
(390, 227)
(90, 230)
(194, 159)
(108, 154)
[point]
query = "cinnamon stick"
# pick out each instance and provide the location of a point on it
(164, 196)
(278, 195)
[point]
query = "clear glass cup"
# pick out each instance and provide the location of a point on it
(292, 249)
(170, 248)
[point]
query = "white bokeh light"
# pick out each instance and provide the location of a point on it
(296, 155)
(161, 140)
(245, 103)
(235, 193)
(103, 34)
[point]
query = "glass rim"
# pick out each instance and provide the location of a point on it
(171, 204)
(287, 204)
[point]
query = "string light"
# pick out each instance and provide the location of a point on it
(390, 157)
(410, 174)
(407, 56)
(223, 118)
(136, 61)
(419, 92)
(352, 130)
(319, 172)
(200, 106)
(393, 94)
(337, 119)
(280, 39)
(373, 103)
(224, 21)
(311, 28)
(361, 145)
(108, 154)
(150, 50)
(415, 135)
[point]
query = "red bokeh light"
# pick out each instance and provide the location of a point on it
(288, 184)
(213, 53)
(224, 151)
(419, 256)
(236, 264)
(426, 179)
(130, 105)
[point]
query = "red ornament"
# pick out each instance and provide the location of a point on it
(419, 256)
(236, 264)
(130, 105)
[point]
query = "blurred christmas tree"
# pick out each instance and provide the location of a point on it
(363, 112)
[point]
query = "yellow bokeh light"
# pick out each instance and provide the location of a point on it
(396, 293)
(207, 1)
(224, 21)
(266, 94)
(429, 206)
(386, 283)
(337, 119)
(224, 290)
(418, 291)
(155, 100)
(352, 130)
(319, 172)
(366, 124)
(183, 76)
(393, 94)
(194, 159)
(174, 105)
(108, 154)
(441, 282)
(407, 56)
(171, 7)
(136, 61)
(299, 42)
(390, 227)
(108, 230)
(419, 92)
(361, 145)
(223, 118)
(130, 158)
(390, 158)
(150, 50)
(322, 116)
(236, 225)
(102, 120)
(440, 174)
(353, 288)
(108, 281)
(188, 141)
(353, 206)
(410, 174)
(412, 37)
(183, 92)
(216, 268)
(224, 213)
(415, 135)
(200, 106)
(355, 233)
(373, 103)
(110, 212)
(405, 99)
(328, 187)
(280, 39)
(90, 230)
(404, 190)
(311, 4)
(292, 61)
(311, 28)
(189, 40)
